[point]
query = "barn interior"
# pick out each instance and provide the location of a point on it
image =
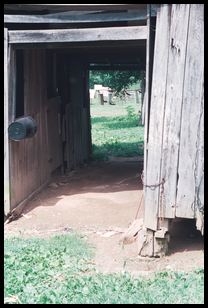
(52, 87)
(51, 82)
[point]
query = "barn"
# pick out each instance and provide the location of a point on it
(48, 49)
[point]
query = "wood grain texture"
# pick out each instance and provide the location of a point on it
(30, 168)
(76, 7)
(54, 132)
(190, 170)
(73, 18)
(6, 123)
(174, 100)
(78, 35)
(155, 133)
(146, 96)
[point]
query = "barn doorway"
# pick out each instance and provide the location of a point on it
(87, 196)
(117, 113)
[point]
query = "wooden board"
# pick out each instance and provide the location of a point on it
(146, 95)
(148, 81)
(62, 7)
(191, 161)
(54, 132)
(174, 98)
(199, 188)
(29, 158)
(73, 18)
(155, 133)
(78, 35)
(6, 123)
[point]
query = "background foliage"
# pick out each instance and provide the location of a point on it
(118, 81)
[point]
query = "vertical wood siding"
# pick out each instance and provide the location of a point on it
(33, 160)
(190, 169)
(175, 147)
(77, 117)
(6, 123)
(156, 117)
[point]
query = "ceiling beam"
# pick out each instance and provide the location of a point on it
(62, 7)
(67, 19)
(78, 35)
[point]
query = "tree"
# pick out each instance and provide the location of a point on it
(118, 81)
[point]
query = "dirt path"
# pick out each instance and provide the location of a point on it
(100, 201)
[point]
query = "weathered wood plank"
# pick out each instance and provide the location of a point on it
(62, 7)
(174, 98)
(29, 158)
(199, 185)
(148, 81)
(68, 19)
(53, 131)
(11, 108)
(6, 123)
(78, 35)
(155, 133)
(68, 139)
(190, 170)
(146, 95)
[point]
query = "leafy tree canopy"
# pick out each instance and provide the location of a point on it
(118, 81)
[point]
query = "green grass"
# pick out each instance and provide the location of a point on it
(117, 134)
(59, 270)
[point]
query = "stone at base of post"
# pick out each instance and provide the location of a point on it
(161, 246)
(154, 243)
(145, 242)
(162, 238)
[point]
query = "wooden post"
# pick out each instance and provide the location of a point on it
(9, 113)
(148, 80)
(6, 124)
(148, 84)
(142, 86)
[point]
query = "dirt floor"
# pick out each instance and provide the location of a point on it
(100, 201)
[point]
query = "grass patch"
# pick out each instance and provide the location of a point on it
(59, 270)
(120, 135)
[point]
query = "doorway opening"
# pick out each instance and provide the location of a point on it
(103, 196)
(117, 113)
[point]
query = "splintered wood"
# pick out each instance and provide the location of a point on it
(132, 232)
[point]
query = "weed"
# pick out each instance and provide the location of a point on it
(60, 270)
(119, 135)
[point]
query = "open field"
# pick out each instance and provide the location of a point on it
(116, 130)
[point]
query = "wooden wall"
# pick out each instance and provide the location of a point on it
(175, 139)
(63, 125)
(77, 117)
(28, 165)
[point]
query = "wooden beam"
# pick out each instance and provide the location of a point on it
(6, 124)
(9, 111)
(62, 7)
(67, 19)
(78, 35)
(147, 98)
